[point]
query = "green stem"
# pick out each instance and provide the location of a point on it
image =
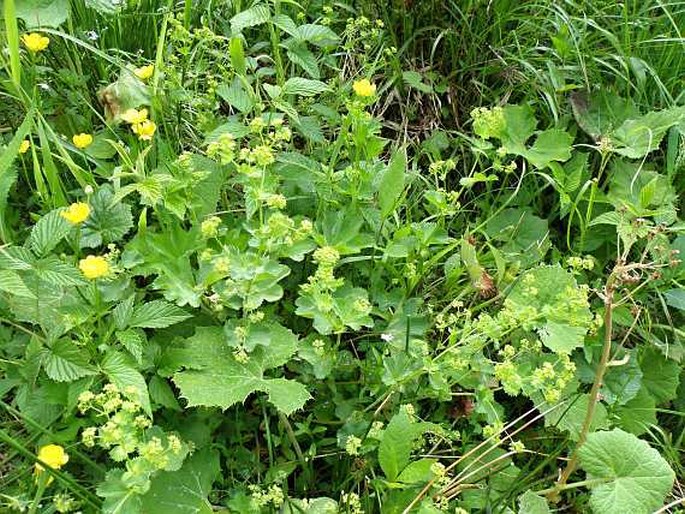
(43, 479)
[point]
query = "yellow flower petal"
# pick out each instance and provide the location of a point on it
(94, 266)
(364, 88)
(145, 130)
(144, 72)
(76, 213)
(82, 140)
(24, 146)
(35, 42)
(134, 116)
(53, 455)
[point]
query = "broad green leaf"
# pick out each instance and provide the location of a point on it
(635, 138)
(303, 87)
(157, 314)
(42, 13)
(396, 445)
(162, 394)
(520, 125)
(286, 24)
(48, 232)
(118, 498)
(391, 184)
(419, 471)
(571, 418)
(637, 479)
(255, 15)
(561, 337)
(660, 376)
(214, 378)
(318, 35)
(638, 414)
(121, 371)
(184, 491)
(622, 383)
(11, 282)
(550, 146)
(108, 222)
(133, 340)
(675, 298)
(302, 56)
(106, 6)
(66, 362)
(531, 503)
(236, 96)
(600, 113)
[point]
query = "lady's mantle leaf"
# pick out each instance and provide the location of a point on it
(637, 477)
(214, 378)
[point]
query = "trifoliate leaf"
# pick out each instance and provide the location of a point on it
(184, 491)
(637, 477)
(66, 362)
(214, 378)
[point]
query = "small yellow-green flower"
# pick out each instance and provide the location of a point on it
(134, 116)
(94, 266)
(53, 455)
(145, 130)
(76, 213)
(82, 140)
(364, 88)
(35, 42)
(24, 146)
(144, 72)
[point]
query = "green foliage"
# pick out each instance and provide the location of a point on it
(314, 261)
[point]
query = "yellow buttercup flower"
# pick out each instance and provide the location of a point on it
(35, 42)
(144, 72)
(53, 455)
(24, 146)
(364, 88)
(76, 213)
(82, 140)
(94, 266)
(145, 130)
(134, 116)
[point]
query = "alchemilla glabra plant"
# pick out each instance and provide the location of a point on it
(268, 257)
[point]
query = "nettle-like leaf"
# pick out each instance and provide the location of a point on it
(66, 362)
(212, 377)
(563, 312)
(157, 314)
(636, 478)
(108, 222)
(47, 233)
(638, 414)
